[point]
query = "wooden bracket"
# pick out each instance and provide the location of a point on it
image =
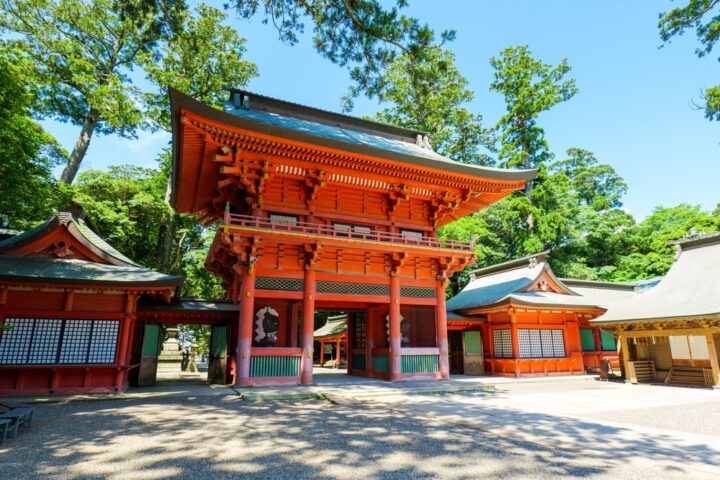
(397, 193)
(397, 262)
(445, 203)
(311, 255)
(449, 265)
(314, 181)
(246, 253)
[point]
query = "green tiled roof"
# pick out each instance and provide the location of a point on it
(56, 270)
(333, 326)
(96, 240)
(77, 228)
(15, 239)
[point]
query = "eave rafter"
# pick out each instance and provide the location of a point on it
(239, 139)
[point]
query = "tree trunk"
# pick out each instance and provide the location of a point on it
(80, 148)
(165, 245)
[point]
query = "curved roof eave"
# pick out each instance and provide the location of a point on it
(179, 100)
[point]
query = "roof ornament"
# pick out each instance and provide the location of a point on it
(419, 140)
(426, 143)
(532, 263)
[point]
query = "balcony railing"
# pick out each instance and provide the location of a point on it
(247, 221)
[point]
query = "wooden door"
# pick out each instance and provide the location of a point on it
(147, 373)
(455, 345)
(473, 363)
(217, 364)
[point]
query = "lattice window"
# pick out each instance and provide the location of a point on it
(103, 342)
(417, 292)
(352, 288)
(412, 235)
(541, 343)
(43, 341)
(360, 330)
(356, 231)
(279, 284)
(15, 343)
(558, 343)
(76, 341)
(277, 219)
(502, 344)
(46, 336)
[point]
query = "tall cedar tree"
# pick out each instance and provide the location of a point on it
(704, 17)
(431, 95)
(363, 35)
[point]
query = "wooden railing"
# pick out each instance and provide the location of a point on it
(305, 228)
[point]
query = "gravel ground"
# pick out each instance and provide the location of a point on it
(220, 437)
(701, 418)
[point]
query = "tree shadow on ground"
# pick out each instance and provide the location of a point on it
(225, 437)
(597, 442)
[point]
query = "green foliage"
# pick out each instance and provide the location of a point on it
(199, 59)
(126, 205)
(83, 52)
(363, 35)
(27, 152)
(197, 334)
(704, 17)
(199, 283)
(429, 94)
(529, 87)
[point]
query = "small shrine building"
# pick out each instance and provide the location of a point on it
(333, 333)
(85, 318)
(671, 334)
(71, 300)
(321, 211)
(518, 319)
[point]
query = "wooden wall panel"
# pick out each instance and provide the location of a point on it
(35, 300)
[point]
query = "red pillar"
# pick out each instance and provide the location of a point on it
(308, 327)
(441, 329)
(123, 353)
(515, 342)
(395, 351)
(337, 354)
(245, 327)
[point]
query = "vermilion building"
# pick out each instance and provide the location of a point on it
(518, 319)
(320, 211)
(71, 300)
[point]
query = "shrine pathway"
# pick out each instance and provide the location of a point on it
(665, 430)
(576, 428)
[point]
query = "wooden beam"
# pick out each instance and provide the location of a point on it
(714, 360)
(669, 331)
(628, 371)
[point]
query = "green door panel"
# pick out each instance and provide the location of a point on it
(473, 341)
(151, 340)
(608, 340)
(587, 339)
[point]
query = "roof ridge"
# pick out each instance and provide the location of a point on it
(510, 264)
(239, 96)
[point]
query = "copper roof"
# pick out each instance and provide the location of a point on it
(689, 290)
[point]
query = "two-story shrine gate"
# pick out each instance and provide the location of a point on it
(323, 211)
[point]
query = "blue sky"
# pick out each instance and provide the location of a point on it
(634, 109)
